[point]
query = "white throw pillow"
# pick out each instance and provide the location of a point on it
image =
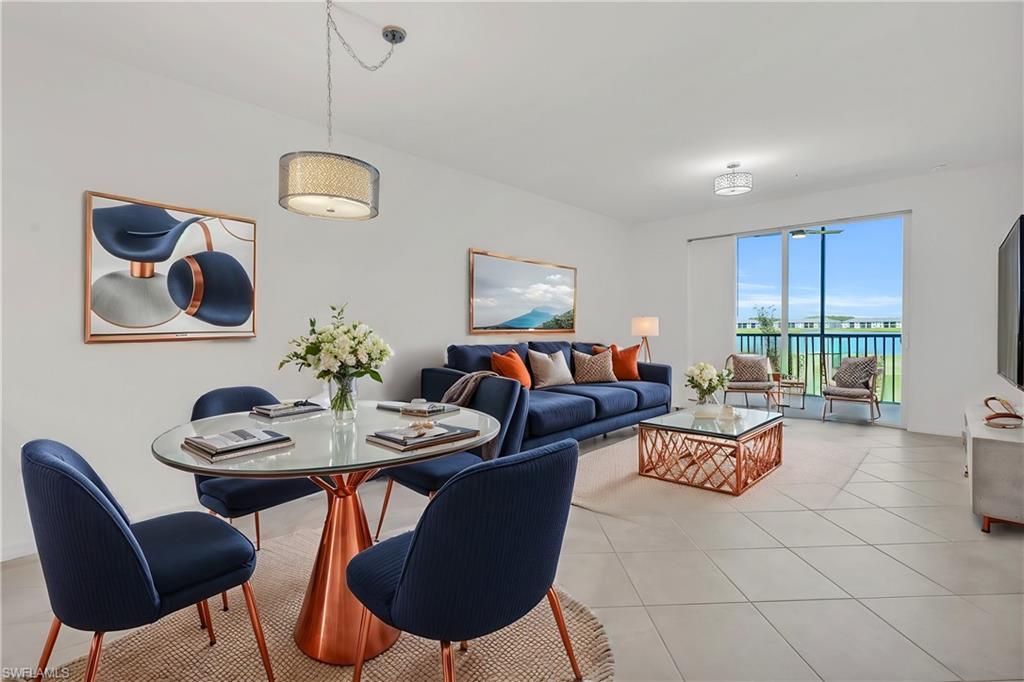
(549, 370)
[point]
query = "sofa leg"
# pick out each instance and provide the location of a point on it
(986, 524)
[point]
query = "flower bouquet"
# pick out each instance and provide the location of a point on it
(340, 353)
(706, 381)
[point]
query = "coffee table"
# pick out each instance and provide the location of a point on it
(714, 454)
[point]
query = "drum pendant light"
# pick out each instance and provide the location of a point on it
(324, 184)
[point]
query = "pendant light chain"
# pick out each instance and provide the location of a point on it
(333, 27)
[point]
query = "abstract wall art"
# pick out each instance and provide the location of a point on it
(509, 294)
(157, 272)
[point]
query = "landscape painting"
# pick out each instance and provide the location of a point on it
(509, 294)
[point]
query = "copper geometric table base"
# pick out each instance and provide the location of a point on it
(328, 624)
(704, 461)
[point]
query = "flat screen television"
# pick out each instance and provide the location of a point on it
(1011, 306)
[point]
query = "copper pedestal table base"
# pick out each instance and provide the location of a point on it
(328, 624)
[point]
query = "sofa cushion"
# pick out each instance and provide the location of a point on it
(648, 393)
(549, 369)
(608, 401)
(477, 357)
(549, 347)
(551, 412)
(510, 365)
(587, 348)
(592, 369)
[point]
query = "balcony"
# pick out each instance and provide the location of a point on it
(803, 357)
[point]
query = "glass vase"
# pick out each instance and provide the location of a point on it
(707, 407)
(344, 399)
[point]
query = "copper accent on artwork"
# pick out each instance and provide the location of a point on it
(142, 269)
(197, 286)
(704, 461)
(328, 627)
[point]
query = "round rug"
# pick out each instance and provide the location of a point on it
(175, 648)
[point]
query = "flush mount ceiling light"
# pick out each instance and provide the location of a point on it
(324, 184)
(734, 182)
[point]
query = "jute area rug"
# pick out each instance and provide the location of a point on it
(175, 648)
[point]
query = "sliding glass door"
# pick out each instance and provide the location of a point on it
(834, 289)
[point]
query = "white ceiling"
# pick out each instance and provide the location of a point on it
(629, 110)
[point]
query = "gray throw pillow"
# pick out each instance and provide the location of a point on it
(549, 370)
(749, 368)
(855, 372)
(592, 369)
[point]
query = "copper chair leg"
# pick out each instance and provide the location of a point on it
(224, 600)
(204, 611)
(447, 663)
(257, 518)
(364, 634)
(257, 629)
(51, 639)
(92, 666)
(202, 618)
(463, 645)
(556, 609)
(383, 509)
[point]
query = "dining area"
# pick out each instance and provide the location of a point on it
(195, 590)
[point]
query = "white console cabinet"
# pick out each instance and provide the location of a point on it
(995, 466)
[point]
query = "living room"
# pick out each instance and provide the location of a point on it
(581, 142)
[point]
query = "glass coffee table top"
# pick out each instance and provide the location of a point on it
(745, 421)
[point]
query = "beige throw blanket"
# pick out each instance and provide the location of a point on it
(461, 393)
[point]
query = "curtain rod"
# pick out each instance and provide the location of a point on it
(817, 223)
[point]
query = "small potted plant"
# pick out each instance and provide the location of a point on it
(340, 353)
(706, 381)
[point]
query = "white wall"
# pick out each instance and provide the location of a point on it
(73, 122)
(958, 219)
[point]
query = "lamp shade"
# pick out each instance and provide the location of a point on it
(326, 185)
(644, 326)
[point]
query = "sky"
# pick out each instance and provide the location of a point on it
(863, 271)
(503, 289)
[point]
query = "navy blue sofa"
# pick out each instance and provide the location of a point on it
(575, 411)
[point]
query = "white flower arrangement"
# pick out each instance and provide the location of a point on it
(339, 353)
(705, 379)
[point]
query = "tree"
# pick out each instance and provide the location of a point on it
(766, 322)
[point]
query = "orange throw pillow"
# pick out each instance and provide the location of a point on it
(510, 365)
(623, 361)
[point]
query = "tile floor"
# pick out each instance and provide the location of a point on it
(859, 559)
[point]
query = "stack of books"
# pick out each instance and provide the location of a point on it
(237, 443)
(406, 438)
(285, 409)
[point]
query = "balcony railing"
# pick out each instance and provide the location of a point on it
(803, 357)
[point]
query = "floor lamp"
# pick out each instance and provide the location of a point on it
(645, 327)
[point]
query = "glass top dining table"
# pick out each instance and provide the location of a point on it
(321, 447)
(336, 457)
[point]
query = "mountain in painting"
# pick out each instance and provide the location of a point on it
(531, 320)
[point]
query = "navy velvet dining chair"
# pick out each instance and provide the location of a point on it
(482, 556)
(231, 498)
(496, 396)
(104, 573)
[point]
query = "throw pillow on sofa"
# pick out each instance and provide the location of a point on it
(624, 361)
(549, 369)
(512, 366)
(592, 369)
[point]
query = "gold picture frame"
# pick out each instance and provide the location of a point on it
(510, 294)
(129, 296)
